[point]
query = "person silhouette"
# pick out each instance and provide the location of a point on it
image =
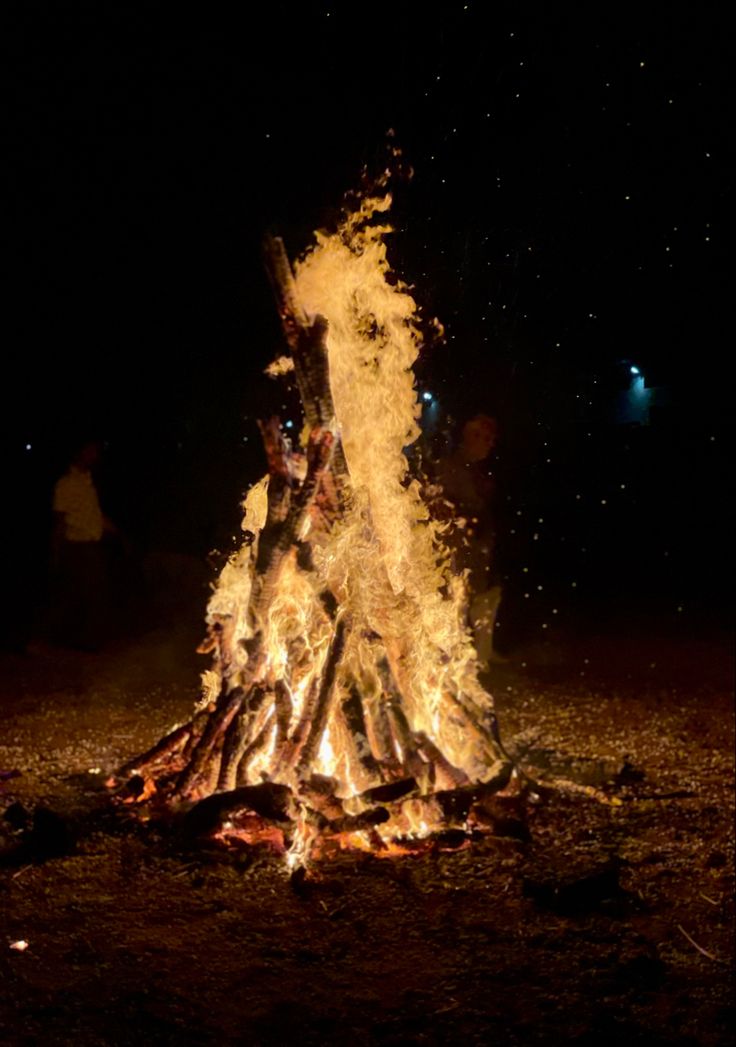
(78, 558)
(467, 479)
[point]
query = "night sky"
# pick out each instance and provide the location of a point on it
(565, 221)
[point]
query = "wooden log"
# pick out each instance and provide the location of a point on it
(456, 803)
(281, 461)
(252, 750)
(391, 792)
(292, 746)
(352, 710)
(238, 736)
(353, 823)
(270, 801)
(404, 737)
(356, 772)
(284, 708)
(380, 737)
(219, 721)
(318, 793)
(407, 815)
(324, 698)
(476, 724)
(273, 542)
(307, 341)
(159, 752)
(278, 269)
(207, 783)
(280, 536)
(453, 775)
(198, 725)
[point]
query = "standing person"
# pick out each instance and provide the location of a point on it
(78, 556)
(468, 482)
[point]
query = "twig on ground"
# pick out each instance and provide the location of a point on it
(708, 955)
(711, 900)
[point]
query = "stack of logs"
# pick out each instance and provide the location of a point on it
(204, 765)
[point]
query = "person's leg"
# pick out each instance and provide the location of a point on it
(92, 575)
(66, 599)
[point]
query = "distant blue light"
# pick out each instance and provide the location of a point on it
(638, 388)
(427, 397)
(28, 447)
(634, 370)
(289, 424)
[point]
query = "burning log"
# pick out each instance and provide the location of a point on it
(307, 341)
(381, 738)
(392, 791)
(315, 727)
(162, 750)
(352, 710)
(432, 754)
(354, 823)
(252, 751)
(406, 743)
(238, 735)
(272, 803)
(207, 754)
(343, 701)
(284, 710)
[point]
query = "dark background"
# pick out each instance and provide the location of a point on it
(565, 221)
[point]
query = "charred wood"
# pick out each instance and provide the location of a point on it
(390, 792)
(406, 742)
(268, 800)
(352, 710)
(238, 736)
(318, 792)
(433, 755)
(318, 722)
(162, 750)
(250, 753)
(380, 737)
(217, 724)
(284, 707)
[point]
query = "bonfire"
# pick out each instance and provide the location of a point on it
(343, 707)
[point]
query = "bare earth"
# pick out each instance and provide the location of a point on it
(611, 925)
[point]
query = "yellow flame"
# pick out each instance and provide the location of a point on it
(384, 560)
(231, 597)
(326, 757)
(298, 853)
(387, 559)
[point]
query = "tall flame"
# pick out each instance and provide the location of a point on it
(384, 560)
(388, 555)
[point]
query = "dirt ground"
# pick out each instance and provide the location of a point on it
(610, 925)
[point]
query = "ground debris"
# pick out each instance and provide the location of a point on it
(568, 936)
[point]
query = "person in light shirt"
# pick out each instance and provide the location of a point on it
(78, 554)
